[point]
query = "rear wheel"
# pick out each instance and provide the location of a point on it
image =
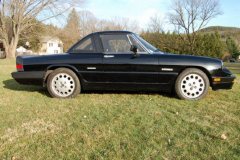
(192, 84)
(63, 83)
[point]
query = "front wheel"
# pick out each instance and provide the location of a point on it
(192, 84)
(63, 83)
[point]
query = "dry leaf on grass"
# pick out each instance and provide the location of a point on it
(223, 136)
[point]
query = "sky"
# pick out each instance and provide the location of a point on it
(142, 10)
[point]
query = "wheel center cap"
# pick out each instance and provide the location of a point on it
(192, 85)
(62, 85)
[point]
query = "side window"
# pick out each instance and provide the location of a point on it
(135, 42)
(116, 43)
(85, 45)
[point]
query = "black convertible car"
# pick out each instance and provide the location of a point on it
(121, 60)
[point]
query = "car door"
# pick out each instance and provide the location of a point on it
(122, 67)
(87, 59)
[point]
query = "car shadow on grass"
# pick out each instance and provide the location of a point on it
(13, 85)
(164, 94)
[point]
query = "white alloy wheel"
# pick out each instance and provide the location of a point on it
(63, 85)
(192, 84)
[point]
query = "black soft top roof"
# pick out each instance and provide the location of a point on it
(96, 42)
(110, 32)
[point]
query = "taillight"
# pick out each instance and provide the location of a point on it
(19, 67)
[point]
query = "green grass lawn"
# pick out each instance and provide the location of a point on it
(234, 67)
(116, 125)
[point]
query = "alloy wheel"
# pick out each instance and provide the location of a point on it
(63, 85)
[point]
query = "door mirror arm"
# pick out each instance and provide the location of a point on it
(134, 49)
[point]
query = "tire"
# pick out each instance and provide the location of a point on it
(63, 83)
(192, 84)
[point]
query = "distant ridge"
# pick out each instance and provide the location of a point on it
(221, 29)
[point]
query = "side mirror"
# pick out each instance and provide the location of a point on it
(134, 49)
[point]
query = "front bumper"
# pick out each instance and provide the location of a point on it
(29, 78)
(224, 83)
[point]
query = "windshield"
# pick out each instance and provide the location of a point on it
(147, 45)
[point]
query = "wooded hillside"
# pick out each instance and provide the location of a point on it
(217, 42)
(225, 32)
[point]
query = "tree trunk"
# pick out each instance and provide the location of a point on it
(192, 50)
(11, 48)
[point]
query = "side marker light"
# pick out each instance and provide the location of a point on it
(217, 79)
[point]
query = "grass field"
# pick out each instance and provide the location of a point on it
(116, 125)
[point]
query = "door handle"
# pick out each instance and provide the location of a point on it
(108, 56)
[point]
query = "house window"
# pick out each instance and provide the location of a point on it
(50, 44)
(59, 45)
(55, 51)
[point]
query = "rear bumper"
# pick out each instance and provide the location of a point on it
(224, 83)
(31, 78)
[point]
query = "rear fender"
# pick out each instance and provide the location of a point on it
(51, 68)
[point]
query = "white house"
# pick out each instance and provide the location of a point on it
(50, 45)
(22, 51)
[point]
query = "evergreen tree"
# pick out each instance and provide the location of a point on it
(232, 47)
(71, 32)
(210, 45)
(73, 23)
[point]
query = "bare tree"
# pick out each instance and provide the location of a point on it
(189, 16)
(103, 25)
(22, 13)
(88, 22)
(122, 23)
(156, 23)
